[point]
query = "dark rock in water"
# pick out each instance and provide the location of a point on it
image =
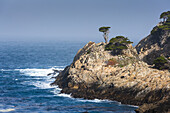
(50, 74)
(55, 71)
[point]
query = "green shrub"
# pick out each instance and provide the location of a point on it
(89, 51)
(154, 29)
(117, 44)
(121, 65)
(160, 62)
(104, 29)
(166, 24)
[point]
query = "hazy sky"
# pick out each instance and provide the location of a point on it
(78, 19)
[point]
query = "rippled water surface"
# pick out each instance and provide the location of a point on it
(25, 86)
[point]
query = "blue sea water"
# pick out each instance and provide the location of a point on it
(25, 86)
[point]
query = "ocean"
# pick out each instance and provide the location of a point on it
(25, 86)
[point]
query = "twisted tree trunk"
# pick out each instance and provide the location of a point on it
(105, 37)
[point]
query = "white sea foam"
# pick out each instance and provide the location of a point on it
(57, 90)
(101, 101)
(43, 81)
(35, 72)
(64, 95)
(6, 110)
(132, 105)
(96, 100)
(42, 85)
(38, 72)
(58, 66)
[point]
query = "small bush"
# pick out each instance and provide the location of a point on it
(88, 51)
(160, 62)
(164, 27)
(154, 30)
(117, 44)
(121, 65)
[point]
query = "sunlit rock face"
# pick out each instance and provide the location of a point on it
(96, 73)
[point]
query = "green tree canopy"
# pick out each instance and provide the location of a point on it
(165, 15)
(160, 62)
(166, 25)
(105, 30)
(117, 44)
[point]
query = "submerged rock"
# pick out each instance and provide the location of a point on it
(96, 73)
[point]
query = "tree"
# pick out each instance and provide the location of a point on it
(160, 63)
(117, 44)
(165, 15)
(105, 30)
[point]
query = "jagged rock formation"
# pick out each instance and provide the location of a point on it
(154, 45)
(96, 73)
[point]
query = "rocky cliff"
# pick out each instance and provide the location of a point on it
(155, 44)
(96, 73)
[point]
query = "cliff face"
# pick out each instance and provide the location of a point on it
(96, 73)
(154, 45)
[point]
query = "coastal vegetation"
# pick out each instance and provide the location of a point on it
(117, 44)
(161, 63)
(105, 30)
(99, 74)
(165, 15)
(121, 61)
(165, 25)
(118, 71)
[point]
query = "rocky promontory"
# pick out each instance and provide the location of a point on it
(118, 71)
(97, 73)
(154, 45)
(157, 44)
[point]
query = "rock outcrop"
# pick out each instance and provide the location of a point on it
(96, 73)
(154, 45)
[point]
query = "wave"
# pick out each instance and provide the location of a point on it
(40, 79)
(57, 93)
(58, 66)
(96, 101)
(6, 110)
(37, 72)
(64, 95)
(57, 90)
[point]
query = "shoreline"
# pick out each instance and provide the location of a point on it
(90, 77)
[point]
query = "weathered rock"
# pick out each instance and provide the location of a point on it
(154, 45)
(126, 79)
